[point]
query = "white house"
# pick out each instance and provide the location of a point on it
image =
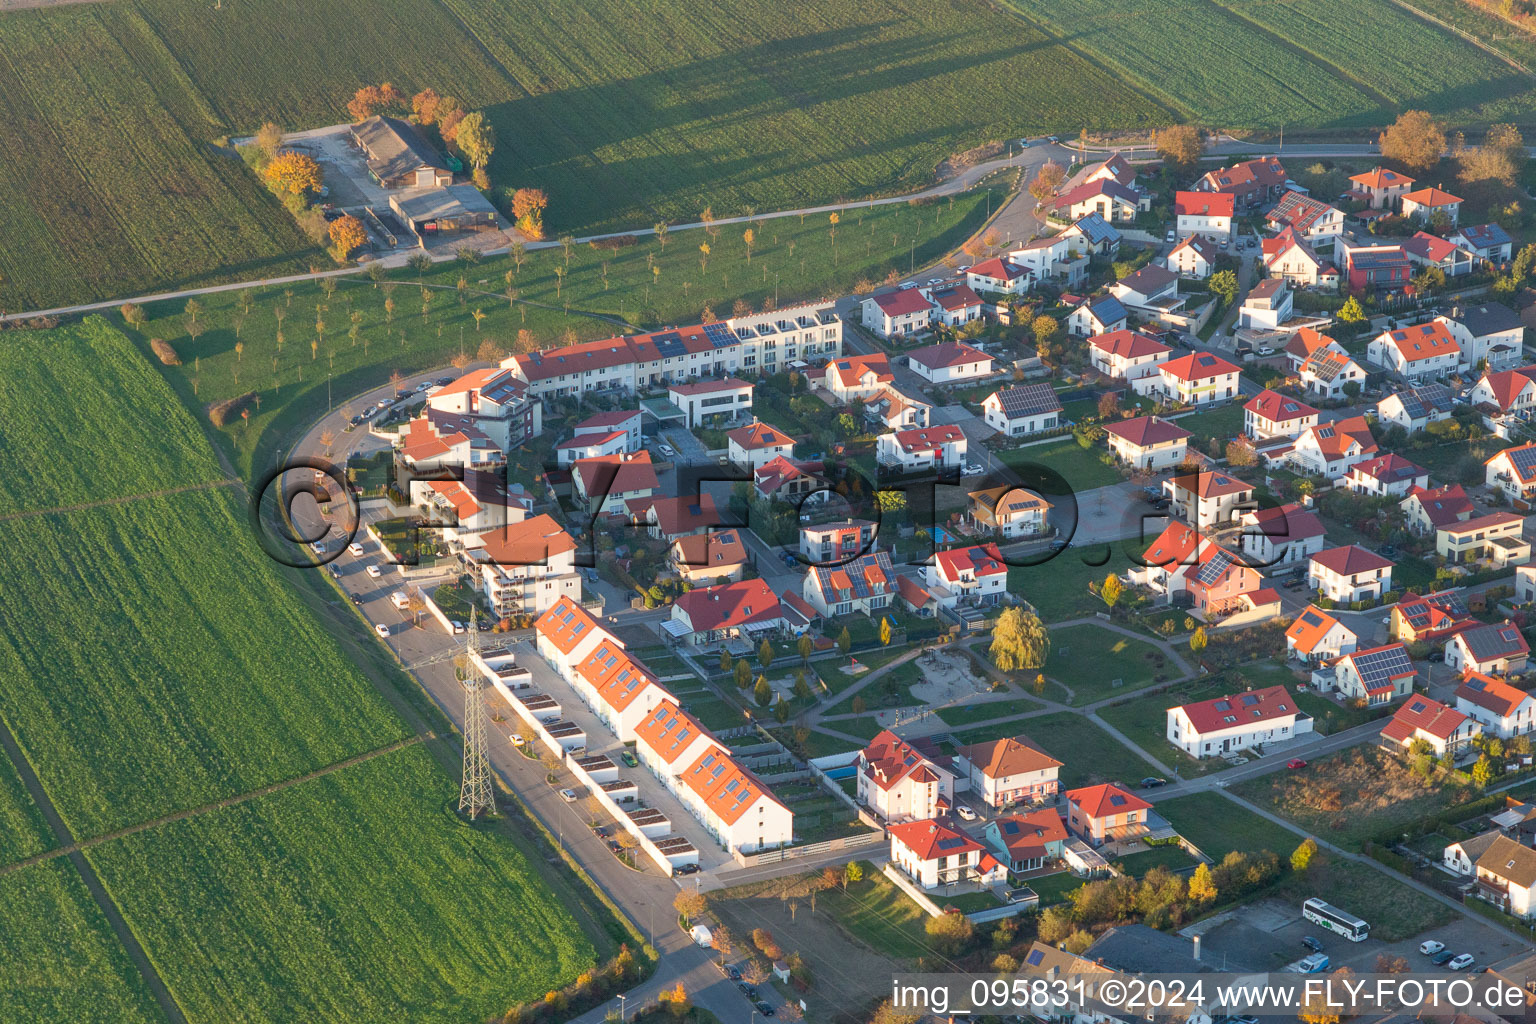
(1506, 877)
(1377, 676)
(1413, 409)
(977, 573)
(492, 401)
(1424, 203)
(1461, 857)
(904, 781)
(1349, 574)
(1429, 509)
(1281, 536)
(1488, 331)
(1002, 276)
(1267, 305)
(621, 691)
(1012, 770)
(1147, 442)
(1098, 315)
(1311, 219)
(1504, 398)
(1446, 730)
(1153, 288)
(896, 313)
(1513, 472)
(727, 398)
(1330, 373)
(1315, 636)
(1194, 257)
(1008, 512)
(1022, 410)
(757, 444)
(748, 609)
(1427, 250)
(527, 567)
(1129, 356)
(1207, 498)
(1488, 242)
(1388, 475)
(1383, 189)
(1204, 213)
(952, 362)
(935, 855)
(591, 445)
(566, 634)
(1293, 260)
(1499, 708)
(627, 420)
(852, 377)
(927, 448)
(864, 585)
(1199, 378)
(1330, 449)
(734, 806)
(1061, 259)
(1271, 414)
(955, 304)
(606, 484)
(828, 543)
(1213, 728)
(1417, 353)
(1493, 648)
(1109, 199)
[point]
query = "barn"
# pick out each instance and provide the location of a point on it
(433, 212)
(398, 157)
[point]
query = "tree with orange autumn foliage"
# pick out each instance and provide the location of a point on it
(371, 99)
(293, 172)
(528, 205)
(347, 233)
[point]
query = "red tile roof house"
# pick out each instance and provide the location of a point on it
(703, 558)
(713, 614)
(1429, 618)
(1127, 355)
(1008, 771)
(1377, 676)
(896, 313)
(976, 573)
(862, 586)
(1384, 189)
(1109, 199)
(1199, 378)
(1312, 219)
(1181, 560)
(1428, 509)
(1195, 257)
(591, 446)
(1330, 449)
(857, 376)
(1388, 475)
(1315, 637)
(758, 444)
(1027, 842)
(1427, 250)
(1349, 574)
(910, 451)
(1498, 707)
(670, 518)
(1216, 727)
(734, 805)
(936, 856)
(607, 483)
(957, 304)
(1505, 398)
(1147, 442)
(786, 480)
(952, 362)
(1106, 813)
(905, 781)
(1208, 498)
(1251, 183)
(1271, 414)
(1279, 537)
(1446, 730)
(1424, 203)
(1294, 261)
(1417, 353)
(999, 275)
(1496, 648)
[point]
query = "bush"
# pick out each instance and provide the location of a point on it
(220, 413)
(165, 352)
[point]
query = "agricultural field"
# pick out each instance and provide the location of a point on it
(114, 185)
(603, 290)
(356, 897)
(94, 367)
(23, 832)
(1303, 65)
(63, 965)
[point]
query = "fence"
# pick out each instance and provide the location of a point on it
(853, 842)
(904, 883)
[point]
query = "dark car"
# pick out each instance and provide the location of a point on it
(1445, 956)
(688, 869)
(1313, 944)
(444, 381)
(733, 972)
(764, 1010)
(748, 990)
(1152, 782)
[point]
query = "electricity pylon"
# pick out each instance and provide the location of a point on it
(475, 789)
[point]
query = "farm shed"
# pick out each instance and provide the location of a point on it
(437, 211)
(398, 157)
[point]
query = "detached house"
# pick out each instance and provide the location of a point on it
(1267, 305)
(935, 855)
(1106, 813)
(704, 558)
(1513, 472)
(1372, 266)
(1382, 188)
(1310, 219)
(1377, 676)
(1498, 707)
(894, 410)
(904, 781)
(1316, 636)
(708, 615)
(1388, 475)
(1199, 378)
(863, 585)
(1216, 727)
(725, 399)
(1490, 243)
(758, 444)
(1008, 512)
(1427, 509)
(896, 313)
(1099, 315)
(1207, 214)
(1182, 561)
(836, 542)
(1152, 289)
(853, 377)
(1496, 648)
(1349, 574)
(1446, 730)
(1027, 842)
(1250, 183)
(1195, 257)
(953, 362)
(1275, 538)
(1009, 771)
(977, 573)
(606, 484)
(1022, 410)
(911, 451)
(956, 304)
(1506, 877)
(1147, 442)
(1000, 276)
(1488, 331)
(1496, 537)
(1129, 356)
(1207, 498)
(1294, 261)
(1112, 201)
(1429, 618)
(1330, 449)
(1271, 414)
(1306, 343)
(1424, 203)
(1413, 409)
(1427, 250)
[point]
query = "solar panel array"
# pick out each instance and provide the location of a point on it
(1377, 668)
(669, 344)
(1028, 400)
(1523, 459)
(719, 335)
(1212, 570)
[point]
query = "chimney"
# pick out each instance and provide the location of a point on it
(1197, 947)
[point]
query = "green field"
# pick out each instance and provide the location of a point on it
(62, 963)
(1218, 826)
(790, 261)
(23, 831)
(1088, 659)
(626, 113)
(354, 897)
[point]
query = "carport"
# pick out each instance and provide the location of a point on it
(429, 213)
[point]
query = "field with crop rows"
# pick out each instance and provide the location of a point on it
(62, 964)
(166, 663)
(794, 260)
(356, 897)
(106, 447)
(1300, 64)
(112, 186)
(23, 831)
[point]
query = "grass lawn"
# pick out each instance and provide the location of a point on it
(880, 915)
(1394, 911)
(1443, 460)
(1053, 889)
(1059, 588)
(1088, 659)
(819, 744)
(1088, 754)
(1352, 795)
(1080, 467)
(715, 714)
(967, 714)
(1169, 856)
(969, 902)
(1222, 424)
(1145, 722)
(1218, 826)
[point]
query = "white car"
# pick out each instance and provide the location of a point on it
(935, 280)
(568, 796)
(318, 547)
(355, 550)
(973, 469)
(907, 286)
(517, 741)
(382, 630)
(1265, 350)
(459, 627)
(666, 450)
(966, 814)
(1430, 947)
(374, 572)
(1461, 962)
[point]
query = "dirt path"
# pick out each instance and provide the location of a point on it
(82, 506)
(71, 848)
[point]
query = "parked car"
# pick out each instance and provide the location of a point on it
(1152, 782)
(374, 572)
(1170, 236)
(568, 796)
(733, 972)
(443, 381)
(763, 1009)
(667, 451)
(973, 469)
(459, 627)
(1442, 958)
(1462, 963)
(966, 814)
(1312, 943)
(1295, 763)
(1429, 947)
(423, 385)
(747, 989)
(688, 869)
(907, 286)
(516, 740)
(381, 629)
(1264, 350)
(629, 758)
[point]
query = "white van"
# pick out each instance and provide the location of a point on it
(399, 600)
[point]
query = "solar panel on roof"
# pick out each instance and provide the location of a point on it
(1311, 618)
(1376, 668)
(1249, 700)
(669, 344)
(949, 843)
(719, 335)
(1028, 400)
(1034, 958)
(1116, 800)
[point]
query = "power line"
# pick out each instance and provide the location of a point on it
(475, 787)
